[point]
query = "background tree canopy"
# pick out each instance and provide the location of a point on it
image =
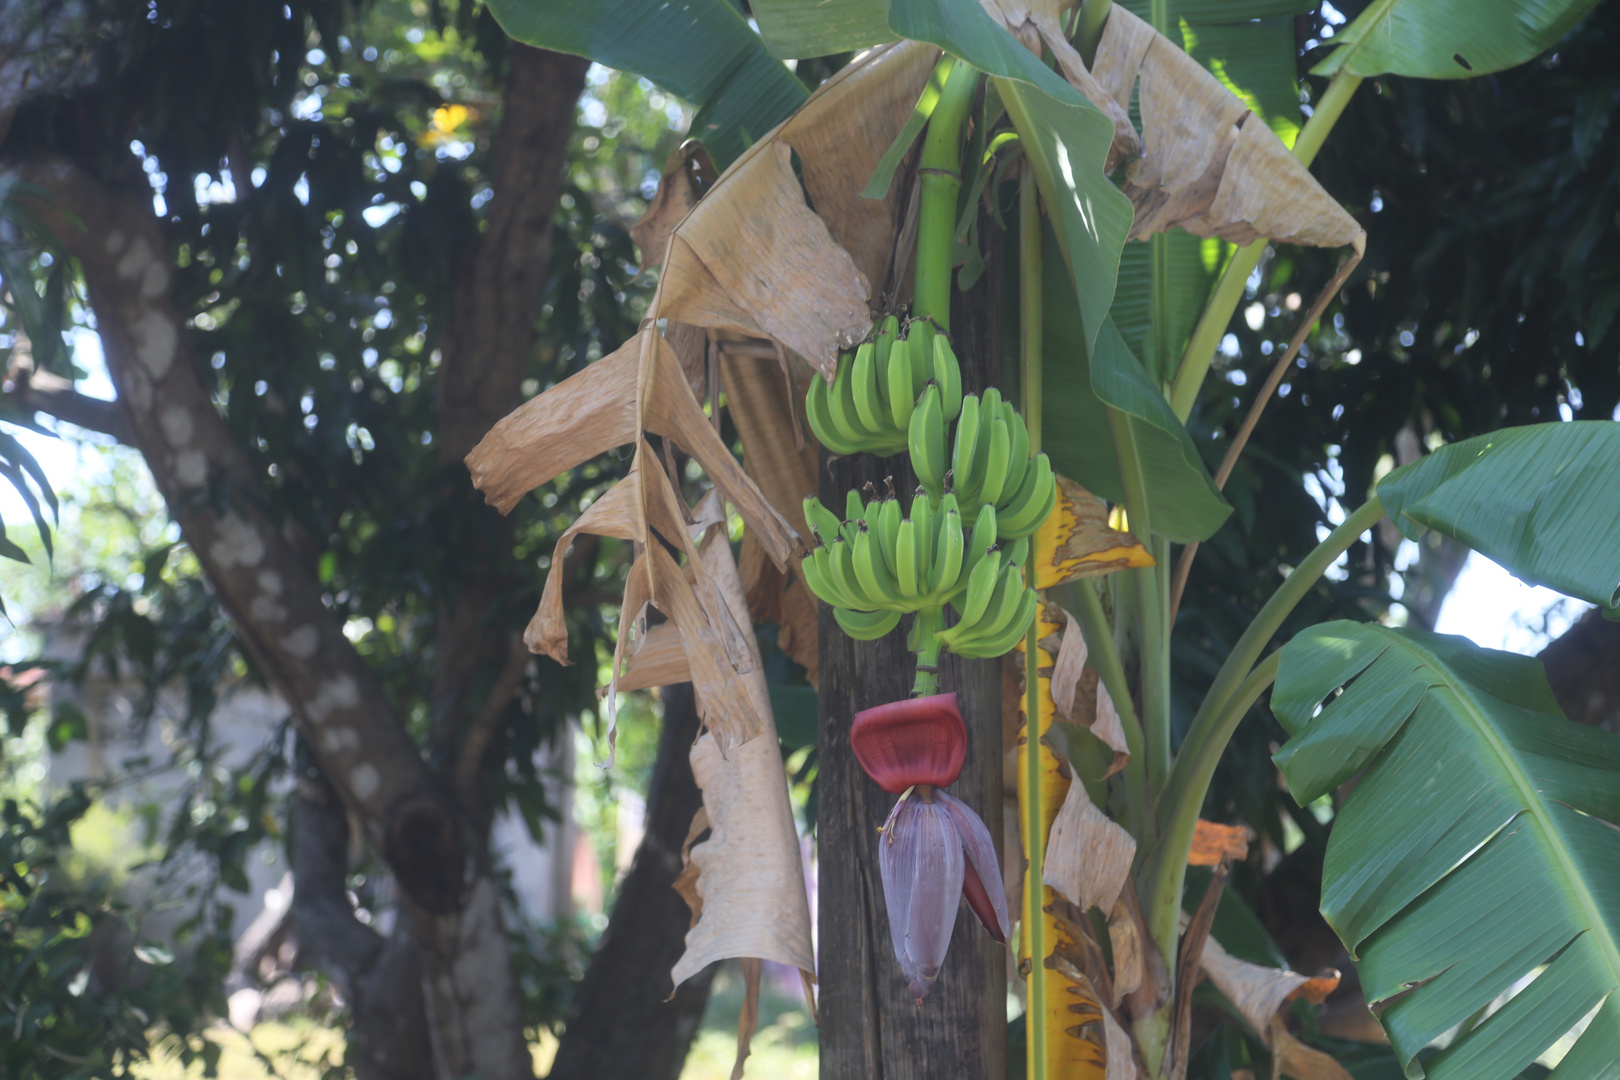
(328, 244)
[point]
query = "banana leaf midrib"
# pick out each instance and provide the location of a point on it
(1534, 803)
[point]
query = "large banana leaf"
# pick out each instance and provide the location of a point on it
(1542, 500)
(1450, 39)
(1183, 503)
(800, 28)
(1481, 845)
(701, 50)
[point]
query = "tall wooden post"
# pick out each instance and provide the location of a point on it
(870, 1028)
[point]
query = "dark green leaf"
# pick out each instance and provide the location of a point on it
(801, 28)
(1450, 39)
(701, 50)
(1541, 500)
(1480, 844)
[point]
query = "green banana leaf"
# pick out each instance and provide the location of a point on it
(801, 28)
(1449, 39)
(1183, 502)
(1481, 845)
(1542, 500)
(700, 50)
(1066, 146)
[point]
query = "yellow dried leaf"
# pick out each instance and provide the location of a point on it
(659, 659)
(1212, 843)
(1038, 22)
(1077, 541)
(1088, 856)
(687, 173)
(1126, 939)
(580, 418)
(1208, 164)
(842, 133)
(752, 258)
(686, 882)
(758, 399)
(750, 880)
(1103, 720)
(1302, 1062)
(1258, 992)
(617, 513)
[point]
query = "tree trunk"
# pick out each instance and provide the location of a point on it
(1583, 667)
(870, 1027)
(624, 1024)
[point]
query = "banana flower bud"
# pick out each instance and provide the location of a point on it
(934, 849)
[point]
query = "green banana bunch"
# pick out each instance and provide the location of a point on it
(875, 391)
(990, 464)
(879, 564)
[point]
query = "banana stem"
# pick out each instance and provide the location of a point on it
(1235, 688)
(1093, 14)
(1030, 795)
(1217, 315)
(940, 170)
(930, 621)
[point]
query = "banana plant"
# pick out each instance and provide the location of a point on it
(1478, 851)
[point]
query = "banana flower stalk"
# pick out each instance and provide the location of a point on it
(934, 850)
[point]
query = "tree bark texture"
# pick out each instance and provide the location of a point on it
(380, 978)
(870, 1027)
(446, 971)
(1583, 667)
(624, 1024)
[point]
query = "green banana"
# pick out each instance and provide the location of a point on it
(905, 559)
(948, 373)
(866, 625)
(888, 530)
(967, 441)
(875, 578)
(869, 406)
(819, 573)
(841, 406)
(886, 336)
(1008, 638)
(922, 516)
(817, 409)
(895, 372)
(978, 469)
(822, 521)
(1005, 592)
(920, 337)
(1029, 507)
(981, 584)
(1018, 553)
(854, 508)
(926, 441)
(839, 570)
(947, 563)
(979, 541)
(1018, 455)
(996, 460)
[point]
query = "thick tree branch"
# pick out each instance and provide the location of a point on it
(625, 1024)
(378, 977)
(1583, 667)
(487, 347)
(41, 391)
(214, 494)
(490, 340)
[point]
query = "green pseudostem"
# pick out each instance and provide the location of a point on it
(930, 621)
(940, 171)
